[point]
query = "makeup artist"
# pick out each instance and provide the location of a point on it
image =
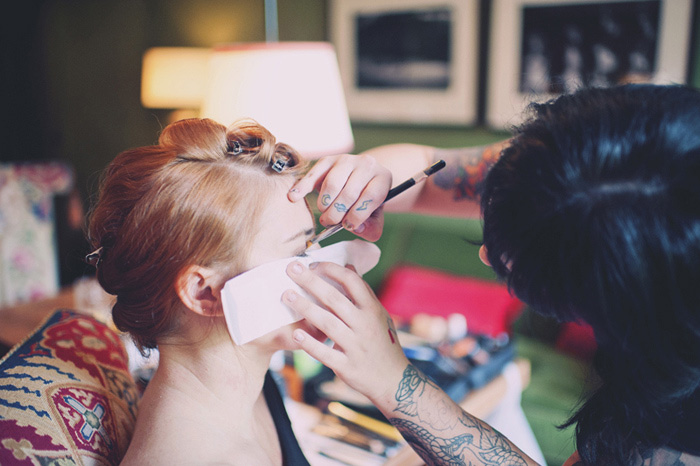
(591, 212)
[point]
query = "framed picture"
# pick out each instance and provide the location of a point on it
(543, 48)
(408, 61)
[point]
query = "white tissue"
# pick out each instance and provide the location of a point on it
(252, 300)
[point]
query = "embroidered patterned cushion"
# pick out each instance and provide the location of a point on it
(66, 395)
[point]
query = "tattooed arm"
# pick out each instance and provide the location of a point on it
(352, 187)
(368, 357)
(441, 432)
(454, 190)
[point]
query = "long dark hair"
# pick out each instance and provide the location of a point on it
(593, 213)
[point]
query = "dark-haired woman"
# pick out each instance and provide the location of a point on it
(592, 212)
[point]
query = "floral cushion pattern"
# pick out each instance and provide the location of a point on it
(29, 269)
(66, 395)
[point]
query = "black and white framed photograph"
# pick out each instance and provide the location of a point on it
(408, 61)
(542, 48)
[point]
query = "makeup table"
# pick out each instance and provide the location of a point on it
(16, 322)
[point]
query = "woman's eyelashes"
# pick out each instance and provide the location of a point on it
(302, 254)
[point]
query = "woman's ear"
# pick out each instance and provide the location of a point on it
(483, 255)
(199, 288)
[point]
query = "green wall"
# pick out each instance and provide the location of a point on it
(92, 54)
(74, 69)
(85, 62)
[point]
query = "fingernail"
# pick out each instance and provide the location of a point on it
(313, 265)
(360, 228)
(297, 268)
(349, 226)
(290, 295)
(298, 335)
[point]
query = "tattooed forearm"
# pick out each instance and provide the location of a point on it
(433, 450)
(441, 432)
(489, 444)
(466, 170)
(410, 388)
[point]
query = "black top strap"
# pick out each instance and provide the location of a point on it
(291, 452)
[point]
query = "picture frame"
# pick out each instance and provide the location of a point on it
(408, 61)
(534, 57)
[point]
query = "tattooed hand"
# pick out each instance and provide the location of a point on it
(350, 190)
(367, 354)
(368, 357)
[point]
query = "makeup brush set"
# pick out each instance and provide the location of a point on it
(457, 366)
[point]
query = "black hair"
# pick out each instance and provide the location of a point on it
(593, 213)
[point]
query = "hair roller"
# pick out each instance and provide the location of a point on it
(234, 148)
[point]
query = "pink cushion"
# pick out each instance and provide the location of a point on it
(488, 306)
(577, 339)
(66, 395)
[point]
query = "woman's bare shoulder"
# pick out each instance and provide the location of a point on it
(657, 457)
(170, 430)
(666, 457)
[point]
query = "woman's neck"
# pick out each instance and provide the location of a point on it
(209, 396)
(213, 367)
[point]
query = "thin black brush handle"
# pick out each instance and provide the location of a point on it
(396, 190)
(393, 192)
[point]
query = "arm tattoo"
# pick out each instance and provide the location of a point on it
(443, 434)
(411, 387)
(465, 171)
(433, 450)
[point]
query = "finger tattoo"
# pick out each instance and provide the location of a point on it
(340, 207)
(326, 199)
(364, 205)
(391, 331)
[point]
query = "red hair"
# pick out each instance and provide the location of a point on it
(190, 200)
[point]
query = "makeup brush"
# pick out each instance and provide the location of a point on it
(393, 192)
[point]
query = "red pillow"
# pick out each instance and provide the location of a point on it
(488, 306)
(577, 339)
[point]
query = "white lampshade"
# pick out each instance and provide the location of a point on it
(291, 88)
(174, 77)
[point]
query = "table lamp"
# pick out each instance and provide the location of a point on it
(291, 88)
(174, 78)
